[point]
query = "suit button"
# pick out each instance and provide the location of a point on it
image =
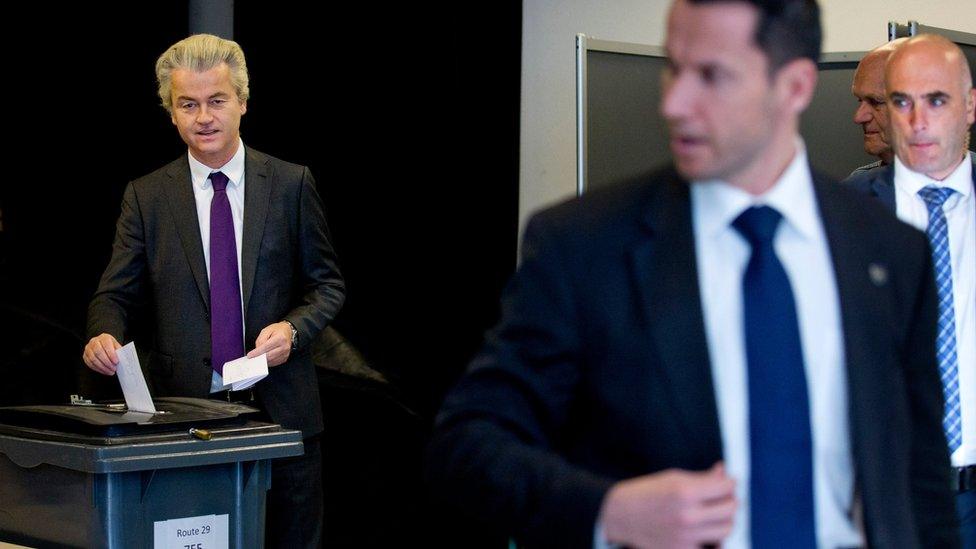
(206, 362)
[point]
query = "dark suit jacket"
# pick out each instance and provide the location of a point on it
(879, 182)
(599, 370)
(288, 273)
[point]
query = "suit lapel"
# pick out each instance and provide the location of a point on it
(257, 193)
(861, 279)
(179, 191)
(883, 186)
(667, 283)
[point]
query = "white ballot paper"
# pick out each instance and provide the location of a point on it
(244, 372)
(137, 397)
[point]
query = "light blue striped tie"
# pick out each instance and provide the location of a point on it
(938, 232)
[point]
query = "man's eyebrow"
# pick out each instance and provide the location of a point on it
(217, 94)
(938, 94)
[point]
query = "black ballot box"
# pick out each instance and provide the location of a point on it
(195, 475)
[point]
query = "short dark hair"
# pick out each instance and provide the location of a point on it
(787, 29)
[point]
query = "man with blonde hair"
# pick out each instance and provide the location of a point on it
(227, 250)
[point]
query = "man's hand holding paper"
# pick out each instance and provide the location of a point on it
(244, 372)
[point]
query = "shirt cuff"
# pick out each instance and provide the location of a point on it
(600, 538)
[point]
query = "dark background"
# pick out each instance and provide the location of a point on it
(408, 118)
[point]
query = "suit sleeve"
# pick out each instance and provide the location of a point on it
(323, 289)
(932, 498)
(121, 289)
(495, 449)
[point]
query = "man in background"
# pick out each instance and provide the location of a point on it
(872, 112)
(930, 185)
(227, 251)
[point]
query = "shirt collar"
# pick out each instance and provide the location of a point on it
(233, 169)
(960, 180)
(718, 203)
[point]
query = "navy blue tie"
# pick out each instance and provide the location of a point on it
(780, 443)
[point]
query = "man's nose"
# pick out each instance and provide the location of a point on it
(203, 115)
(863, 114)
(678, 97)
(918, 118)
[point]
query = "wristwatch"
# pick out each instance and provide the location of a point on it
(294, 336)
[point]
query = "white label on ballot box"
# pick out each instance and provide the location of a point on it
(203, 532)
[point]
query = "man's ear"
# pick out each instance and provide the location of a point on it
(796, 81)
(971, 106)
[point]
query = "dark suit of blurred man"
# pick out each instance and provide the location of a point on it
(731, 351)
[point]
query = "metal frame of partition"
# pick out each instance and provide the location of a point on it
(586, 44)
(912, 28)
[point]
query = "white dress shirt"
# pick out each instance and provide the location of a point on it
(802, 248)
(960, 212)
(203, 194)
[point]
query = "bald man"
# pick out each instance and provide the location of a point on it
(931, 105)
(872, 112)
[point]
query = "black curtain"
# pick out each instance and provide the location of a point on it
(81, 113)
(409, 121)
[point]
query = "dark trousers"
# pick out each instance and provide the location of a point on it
(294, 509)
(966, 507)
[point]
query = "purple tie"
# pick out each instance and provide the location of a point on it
(226, 322)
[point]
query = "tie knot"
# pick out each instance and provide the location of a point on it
(219, 181)
(758, 224)
(935, 197)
